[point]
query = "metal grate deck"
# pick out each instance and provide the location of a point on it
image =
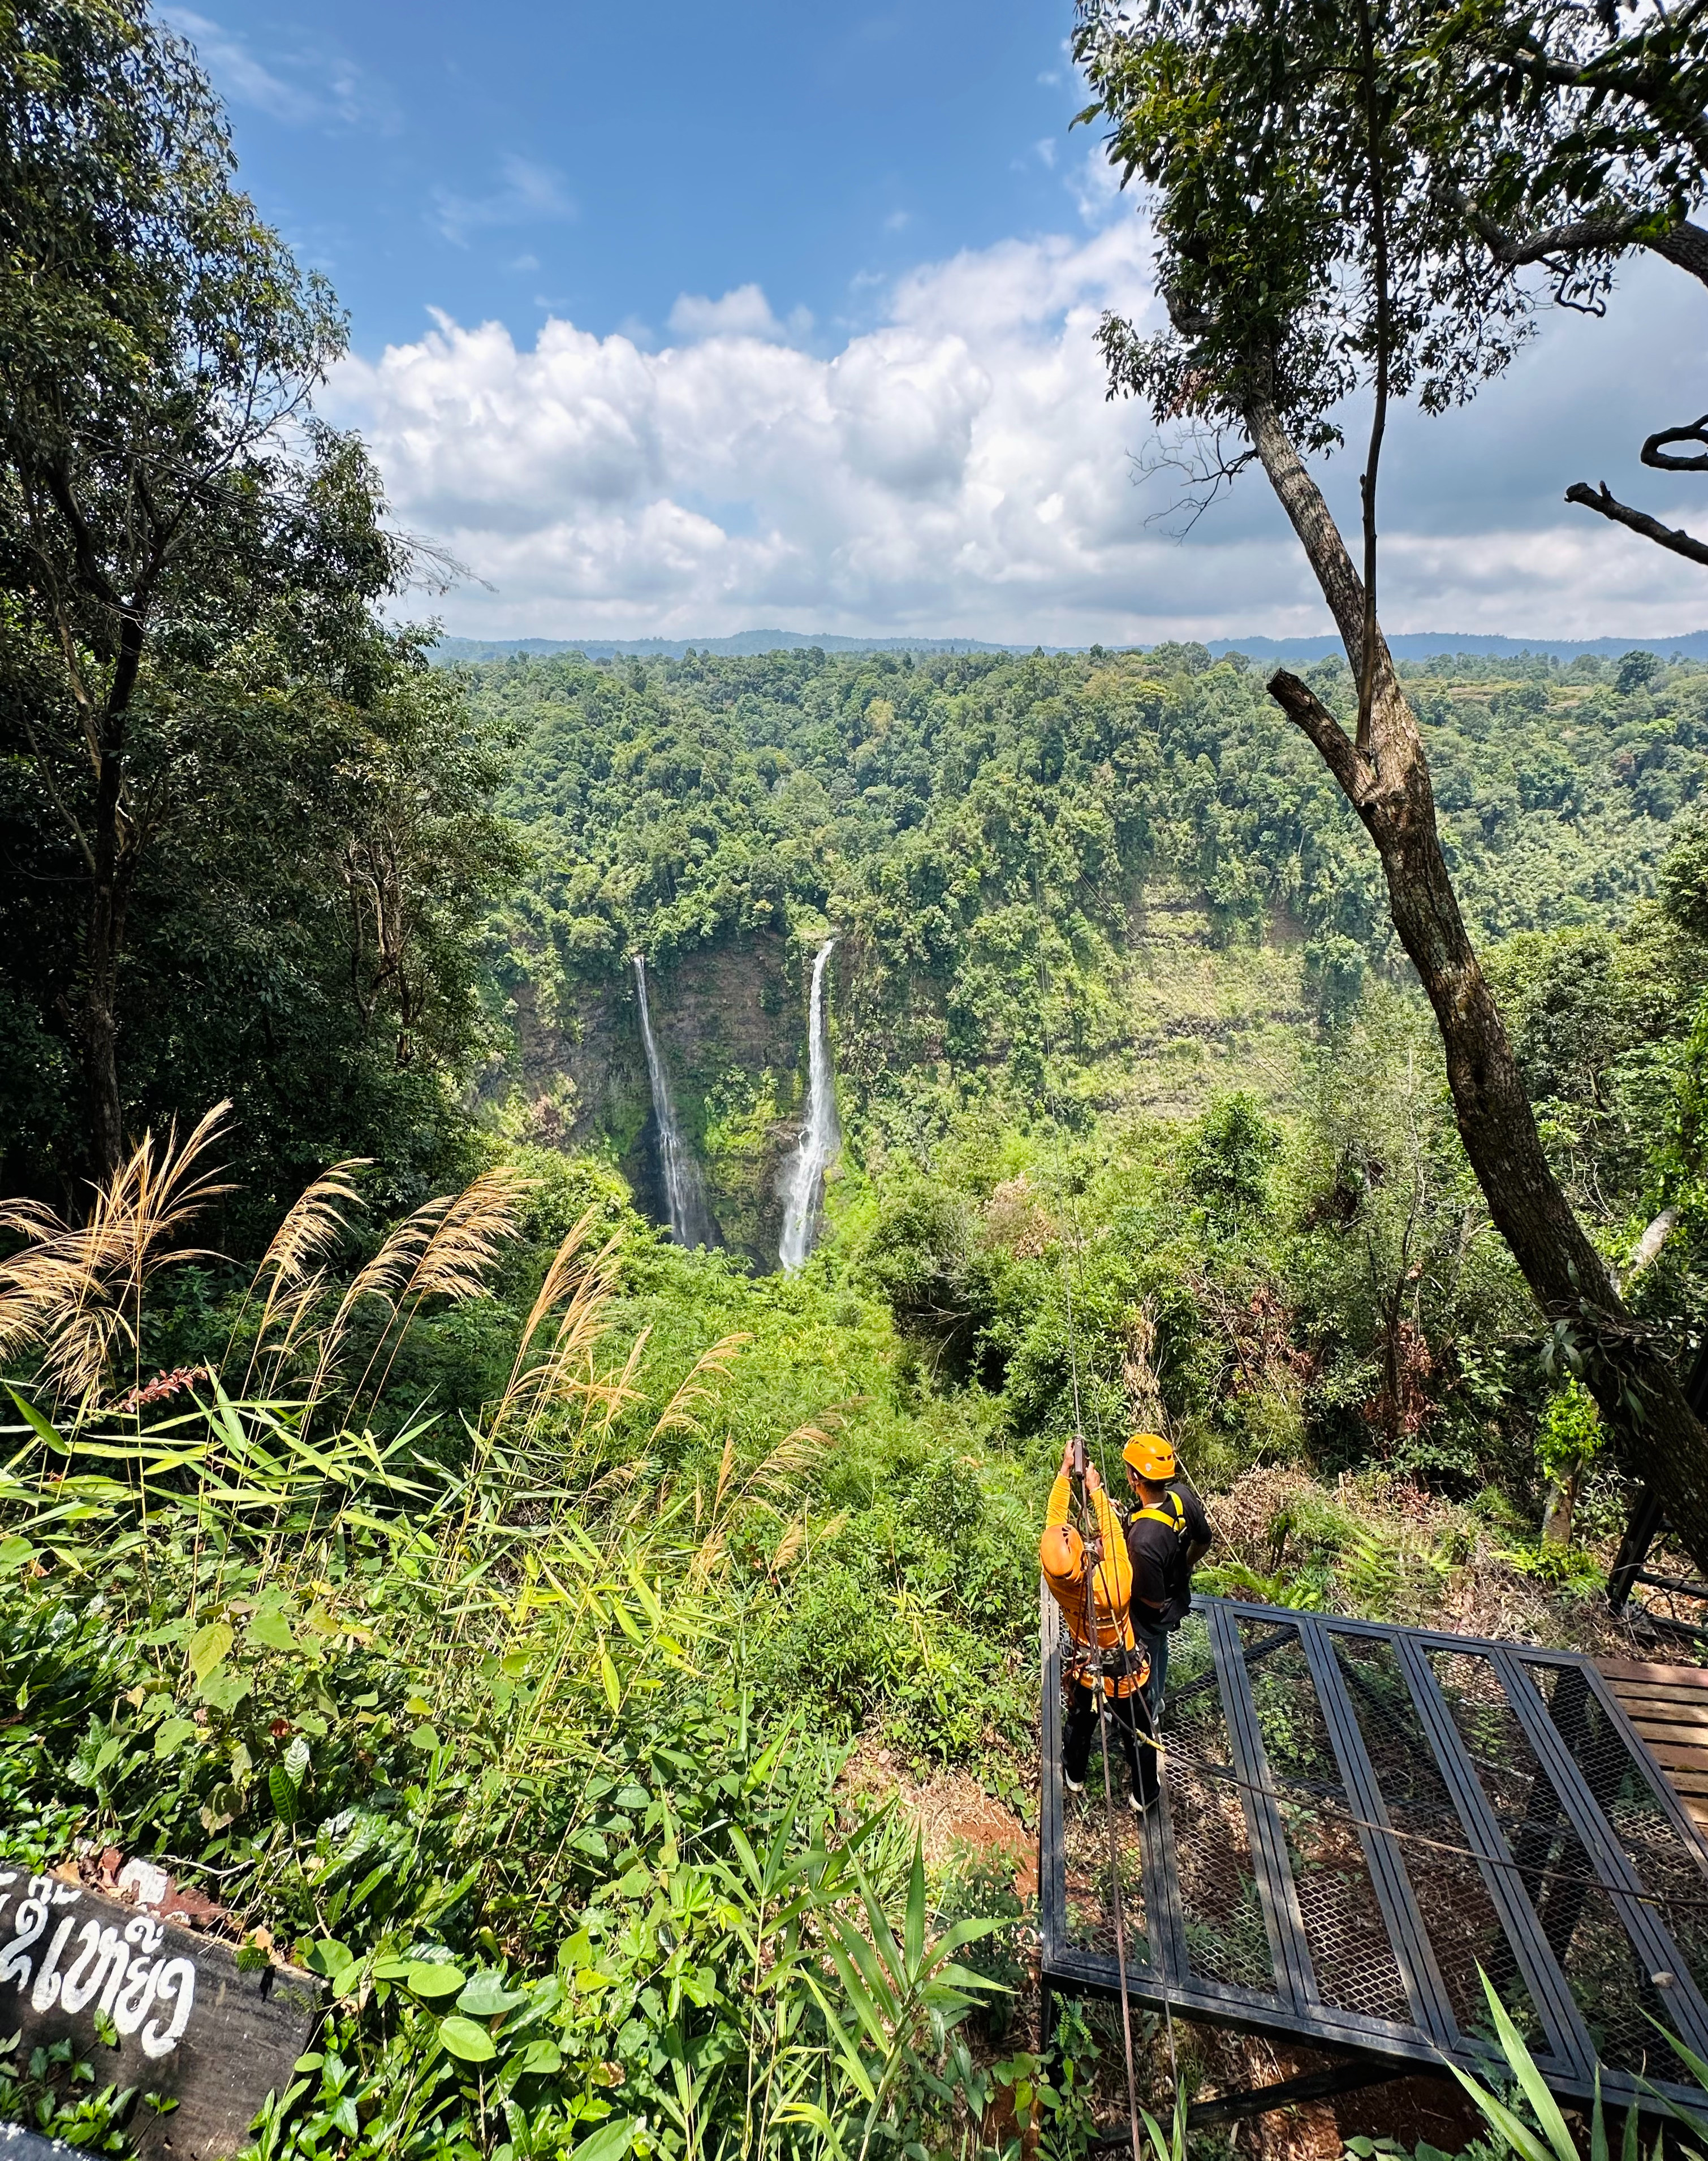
(1355, 1818)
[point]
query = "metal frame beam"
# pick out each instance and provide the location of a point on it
(1378, 2047)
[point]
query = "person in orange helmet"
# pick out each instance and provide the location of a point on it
(1112, 1669)
(1168, 1534)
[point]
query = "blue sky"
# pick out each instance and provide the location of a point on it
(523, 159)
(694, 321)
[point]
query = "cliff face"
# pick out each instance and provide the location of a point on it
(1173, 1016)
(731, 1023)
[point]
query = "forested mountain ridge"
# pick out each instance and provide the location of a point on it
(556, 1636)
(1003, 846)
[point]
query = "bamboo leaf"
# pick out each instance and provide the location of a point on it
(1500, 2118)
(1530, 2079)
(915, 1938)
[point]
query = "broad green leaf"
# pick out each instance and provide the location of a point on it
(543, 2056)
(424, 1738)
(611, 2141)
(15, 1552)
(43, 1430)
(431, 1978)
(470, 2043)
(486, 1995)
(283, 1792)
(171, 1736)
(613, 1687)
(209, 1647)
(270, 1628)
(1505, 2125)
(225, 1689)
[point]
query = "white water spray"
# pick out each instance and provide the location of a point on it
(684, 1198)
(819, 1137)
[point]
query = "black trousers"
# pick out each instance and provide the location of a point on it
(1129, 1728)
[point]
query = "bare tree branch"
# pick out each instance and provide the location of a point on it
(1683, 244)
(1314, 719)
(1653, 452)
(1639, 521)
(1584, 236)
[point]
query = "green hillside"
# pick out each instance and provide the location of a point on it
(1118, 879)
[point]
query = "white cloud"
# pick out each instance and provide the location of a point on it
(528, 193)
(958, 469)
(304, 88)
(744, 313)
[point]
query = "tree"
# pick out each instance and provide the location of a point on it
(1308, 241)
(1583, 134)
(418, 852)
(162, 491)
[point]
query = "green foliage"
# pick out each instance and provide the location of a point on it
(1289, 156)
(1570, 1436)
(1058, 2085)
(53, 2090)
(1228, 1155)
(982, 1889)
(246, 830)
(487, 1753)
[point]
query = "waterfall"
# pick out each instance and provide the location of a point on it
(684, 1197)
(819, 1136)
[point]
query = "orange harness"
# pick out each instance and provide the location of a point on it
(1124, 1671)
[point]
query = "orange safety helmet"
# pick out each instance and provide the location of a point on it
(1061, 1553)
(1150, 1456)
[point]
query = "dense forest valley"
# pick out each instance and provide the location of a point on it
(539, 1558)
(562, 1215)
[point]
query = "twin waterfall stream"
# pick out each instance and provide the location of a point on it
(685, 1194)
(685, 1197)
(818, 1136)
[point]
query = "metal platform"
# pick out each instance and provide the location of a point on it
(1355, 1818)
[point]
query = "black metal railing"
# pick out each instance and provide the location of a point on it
(1355, 1818)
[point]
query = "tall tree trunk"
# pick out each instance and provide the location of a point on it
(98, 1032)
(112, 844)
(1655, 1436)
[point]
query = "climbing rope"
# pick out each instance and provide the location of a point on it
(1090, 1532)
(1150, 1737)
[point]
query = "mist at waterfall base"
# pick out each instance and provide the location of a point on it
(684, 1195)
(819, 1136)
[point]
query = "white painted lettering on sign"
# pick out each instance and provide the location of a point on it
(56, 1956)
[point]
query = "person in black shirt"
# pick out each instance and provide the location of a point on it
(1168, 1534)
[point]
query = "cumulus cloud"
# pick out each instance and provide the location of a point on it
(744, 313)
(957, 468)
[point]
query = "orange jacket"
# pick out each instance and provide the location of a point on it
(1111, 1590)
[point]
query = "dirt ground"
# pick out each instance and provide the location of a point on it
(952, 1810)
(955, 1814)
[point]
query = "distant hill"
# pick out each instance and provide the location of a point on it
(745, 642)
(1406, 645)
(1427, 644)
